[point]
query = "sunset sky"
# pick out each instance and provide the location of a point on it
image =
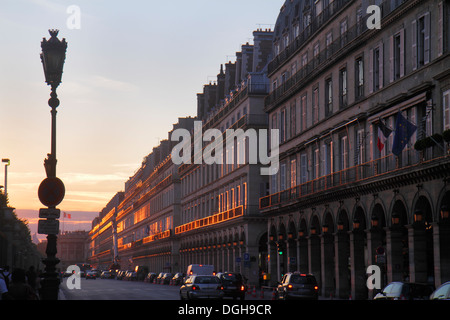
(132, 68)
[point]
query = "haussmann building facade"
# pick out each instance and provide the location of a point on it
(342, 199)
(339, 94)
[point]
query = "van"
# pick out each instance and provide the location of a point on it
(200, 269)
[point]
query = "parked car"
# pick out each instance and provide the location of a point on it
(130, 276)
(91, 275)
(158, 277)
(233, 285)
(106, 275)
(97, 272)
(441, 293)
(201, 287)
(296, 285)
(165, 279)
(150, 277)
(177, 279)
(68, 273)
(405, 291)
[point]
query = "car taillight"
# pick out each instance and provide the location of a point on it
(242, 288)
(316, 288)
(290, 286)
(220, 288)
(194, 288)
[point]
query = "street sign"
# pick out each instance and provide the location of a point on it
(48, 226)
(51, 192)
(246, 257)
(49, 213)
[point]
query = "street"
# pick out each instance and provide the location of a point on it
(111, 289)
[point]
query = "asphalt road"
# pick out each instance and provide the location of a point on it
(111, 289)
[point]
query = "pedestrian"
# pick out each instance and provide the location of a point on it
(19, 289)
(4, 294)
(31, 277)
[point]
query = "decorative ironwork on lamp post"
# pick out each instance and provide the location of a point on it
(51, 191)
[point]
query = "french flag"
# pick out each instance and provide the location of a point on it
(383, 134)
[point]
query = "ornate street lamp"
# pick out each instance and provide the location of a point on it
(444, 213)
(395, 219)
(51, 191)
(53, 56)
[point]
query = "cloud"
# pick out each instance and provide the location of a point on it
(91, 178)
(112, 84)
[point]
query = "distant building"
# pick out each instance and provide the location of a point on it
(72, 248)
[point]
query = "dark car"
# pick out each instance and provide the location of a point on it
(150, 277)
(165, 279)
(177, 279)
(441, 293)
(298, 286)
(405, 291)
(233, 285)
(158, 277)
(91, 275)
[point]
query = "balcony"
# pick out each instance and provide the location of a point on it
(367, 177)
(211, 220)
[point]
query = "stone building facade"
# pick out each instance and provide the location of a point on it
(342, 200)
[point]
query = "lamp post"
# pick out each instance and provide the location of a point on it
(7, 163)
(51, 191)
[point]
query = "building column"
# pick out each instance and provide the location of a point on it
(441, 237)
(272, 263)
(303, 256)
(327, 258)
(358, 271)
(342, 250)
(314, 258)
(292, 258)
(417, 252)
(394, 254)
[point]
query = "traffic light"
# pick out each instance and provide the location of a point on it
(280, 248)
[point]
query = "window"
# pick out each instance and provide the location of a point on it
(303, 107)
(315, 105)
(283, 125)
(397, 57)
(421, 41)
(446, 109)
(343, 32)
(304, 59)
(344, 153)
(316, 158)
(343, 88)
(316, 51)
(303, 168)
(329, 41)
(273, 181)
(376, 68)
(283, 177)
(296, 30)
(293, 173)
(359, 78)
(360, 147)
(294, 68)
(293, 126)
(328, 97)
